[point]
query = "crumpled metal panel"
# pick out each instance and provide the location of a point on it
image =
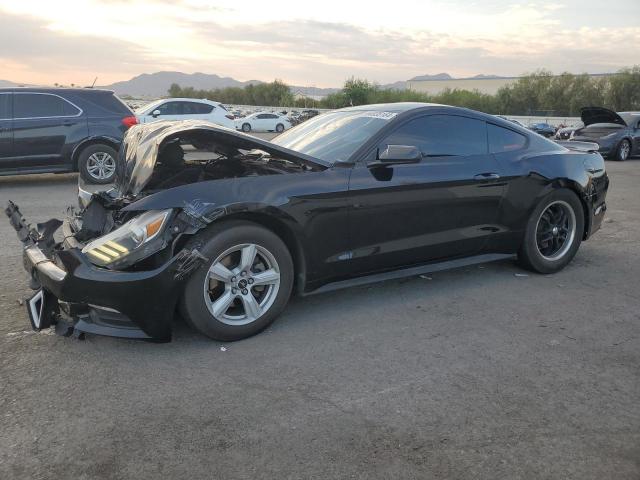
(142, 143)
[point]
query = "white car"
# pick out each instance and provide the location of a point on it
(185, 109)
(263, 122)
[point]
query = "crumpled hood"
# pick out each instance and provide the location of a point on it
(142, 143)
(591, 115)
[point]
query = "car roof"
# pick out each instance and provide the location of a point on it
(55, 90)
(198, 100)
(393, 107)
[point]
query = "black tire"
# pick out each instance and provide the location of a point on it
(530, 256)
(623, 151)
(85, 157)
(246, 128)
(212, 243)
(279, 128)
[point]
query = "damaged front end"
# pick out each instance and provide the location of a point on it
(79, 295)
(120, 267)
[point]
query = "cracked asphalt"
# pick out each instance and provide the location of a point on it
(472, 373)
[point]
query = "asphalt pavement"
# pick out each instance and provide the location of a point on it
(487, 372)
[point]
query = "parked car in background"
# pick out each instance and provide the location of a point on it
(353, 196)
(185, 109)
(564, 133)
(310, 112)
(62, 130)
(263, 122)
(543, 129)
(617, 134)
(512, 120)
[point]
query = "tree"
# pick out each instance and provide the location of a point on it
(540, 92)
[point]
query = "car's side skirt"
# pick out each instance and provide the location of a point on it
(412, 271)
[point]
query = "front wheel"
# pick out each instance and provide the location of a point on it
(245, 284)
(623, 151)
(279, 128)
(246, 128)
(553, 233)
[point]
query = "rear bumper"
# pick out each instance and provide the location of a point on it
(145, 299)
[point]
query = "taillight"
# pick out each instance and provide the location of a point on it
(129, 121)
(230, 117)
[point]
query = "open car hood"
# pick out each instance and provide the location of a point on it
(591, 115)
(143, 142)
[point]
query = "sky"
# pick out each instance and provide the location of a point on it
(319, 43)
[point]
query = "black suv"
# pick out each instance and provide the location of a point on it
(62, 130)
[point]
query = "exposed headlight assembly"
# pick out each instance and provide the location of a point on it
(137, 239)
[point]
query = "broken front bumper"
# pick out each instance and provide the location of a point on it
(138, 304)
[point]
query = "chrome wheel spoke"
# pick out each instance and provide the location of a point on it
(248, 257)
(267, 277)
(251, 307)
(219, 272)
(222, 304)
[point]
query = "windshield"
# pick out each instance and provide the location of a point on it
(334, 136)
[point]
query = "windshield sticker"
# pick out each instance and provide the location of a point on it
(382, 115)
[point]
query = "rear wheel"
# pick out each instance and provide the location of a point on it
(553, 234)
(246, 127)
(97, 164)
(623, 151)
(244, 286)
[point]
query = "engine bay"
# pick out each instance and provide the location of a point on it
(180, 163)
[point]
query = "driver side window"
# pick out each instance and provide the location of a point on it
(442, 135)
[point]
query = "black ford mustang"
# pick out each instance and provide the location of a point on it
(352, 196)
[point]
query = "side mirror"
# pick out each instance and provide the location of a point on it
(397, 155)
(155, 113)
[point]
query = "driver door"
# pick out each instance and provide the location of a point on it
(442, 207)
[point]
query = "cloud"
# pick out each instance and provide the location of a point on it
(263, 41)
(385, 55)
(30, 45)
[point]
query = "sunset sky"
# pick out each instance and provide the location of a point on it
(305, 43)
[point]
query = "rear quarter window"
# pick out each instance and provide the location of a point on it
(504, 140)
(194, 108)
(96, 103)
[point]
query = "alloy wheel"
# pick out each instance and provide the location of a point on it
(101, 165)
(625, 148)
(555, 230)
(241, 284)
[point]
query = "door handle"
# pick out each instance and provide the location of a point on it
(486, 176)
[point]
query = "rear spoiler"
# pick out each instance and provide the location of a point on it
(585, 147)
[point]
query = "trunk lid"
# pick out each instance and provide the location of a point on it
(593, 115)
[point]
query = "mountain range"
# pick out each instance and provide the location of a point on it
(154, 85)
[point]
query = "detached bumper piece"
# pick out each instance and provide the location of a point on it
(78, 297)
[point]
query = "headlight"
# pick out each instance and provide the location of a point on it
(133, 241)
